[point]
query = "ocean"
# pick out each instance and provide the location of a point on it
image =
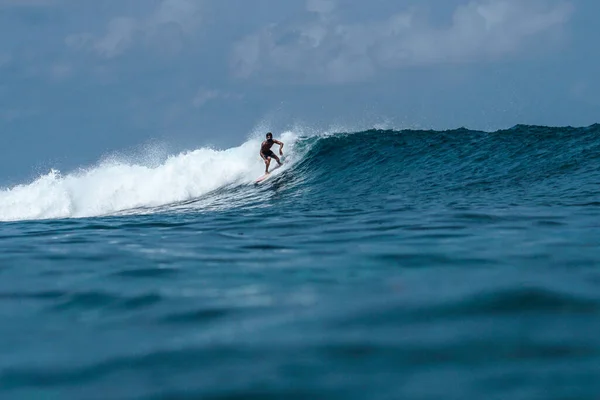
(373, 265)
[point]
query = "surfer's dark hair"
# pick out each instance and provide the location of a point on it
(269, 134)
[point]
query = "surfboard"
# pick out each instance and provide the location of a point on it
(265, 176)
(262, 178)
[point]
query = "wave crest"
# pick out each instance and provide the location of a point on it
(363, 166)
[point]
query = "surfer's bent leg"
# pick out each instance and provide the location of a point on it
(267, 162)
(276, 159)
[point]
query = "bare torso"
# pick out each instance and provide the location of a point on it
(266, 145)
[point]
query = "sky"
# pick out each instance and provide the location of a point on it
(83, 79)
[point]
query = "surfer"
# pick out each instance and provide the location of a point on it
(267, 154)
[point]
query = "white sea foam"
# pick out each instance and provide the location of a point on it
(114, 186)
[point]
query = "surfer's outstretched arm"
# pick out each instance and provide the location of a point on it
(280, 146)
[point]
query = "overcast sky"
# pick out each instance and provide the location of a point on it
(80, 79)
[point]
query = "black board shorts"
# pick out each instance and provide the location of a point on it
(268, 153)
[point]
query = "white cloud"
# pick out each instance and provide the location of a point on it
(204, 96)
(479, 30)
(320, 6)
(163, 28)
(247, 55)
(118, 38)
(61, 70)
(181, 12)
(327, 49)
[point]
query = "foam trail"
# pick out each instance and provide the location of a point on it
(116, 186)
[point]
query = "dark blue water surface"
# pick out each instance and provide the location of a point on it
(383, 265)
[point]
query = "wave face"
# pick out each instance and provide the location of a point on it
(350, 169)
(419, 166)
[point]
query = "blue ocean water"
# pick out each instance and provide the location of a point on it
(374, 265)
